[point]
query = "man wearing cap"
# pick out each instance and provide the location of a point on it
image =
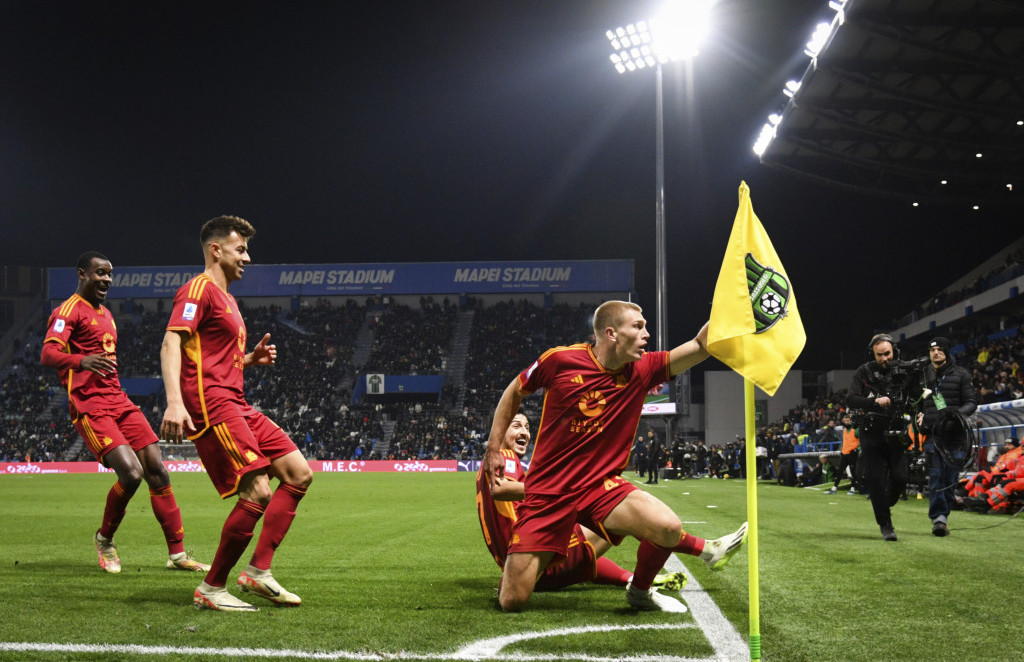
(951, 388)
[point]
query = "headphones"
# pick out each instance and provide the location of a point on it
(882, 337)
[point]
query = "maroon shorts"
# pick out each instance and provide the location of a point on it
(103, 432)
(232, 448)
(545, 522)
(578, 567)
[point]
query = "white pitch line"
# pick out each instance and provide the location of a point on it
(727, 643)
(722, 636)
(490, 648)
(255, 653)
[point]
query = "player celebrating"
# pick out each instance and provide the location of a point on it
(202, 359)
(81, 344)
(593, 398)
(496, 507)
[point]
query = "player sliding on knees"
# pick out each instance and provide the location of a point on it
(593, 399)
(496, 508)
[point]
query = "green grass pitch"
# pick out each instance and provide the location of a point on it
(394, 566)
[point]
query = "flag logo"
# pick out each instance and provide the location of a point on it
(769, 294)
(755, 325)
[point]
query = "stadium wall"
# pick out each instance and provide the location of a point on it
(723, 403)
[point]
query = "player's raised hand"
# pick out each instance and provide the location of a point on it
(263, 353)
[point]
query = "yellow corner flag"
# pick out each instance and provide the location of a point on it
(755, 327)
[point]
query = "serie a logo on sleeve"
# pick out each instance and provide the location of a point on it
(190, 311)
(58, 326)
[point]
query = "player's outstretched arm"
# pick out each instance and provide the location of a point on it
(176, 418)
(262, 354)
(690, 353)
(493, 464)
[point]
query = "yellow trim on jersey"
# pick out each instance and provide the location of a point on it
(507, 509)
(193, 348)
(196, 287)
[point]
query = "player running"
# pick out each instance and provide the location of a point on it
(81, 344)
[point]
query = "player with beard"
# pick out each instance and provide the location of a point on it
(81, 344)
(593, 398)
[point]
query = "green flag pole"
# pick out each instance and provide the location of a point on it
(752, 572)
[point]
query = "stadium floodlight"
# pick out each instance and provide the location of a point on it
(674, 34)
(818, 39)
(765, 138)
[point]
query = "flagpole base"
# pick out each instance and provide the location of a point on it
(755, 647)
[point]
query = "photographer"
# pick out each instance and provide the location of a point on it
(951, 390)
(876, 391)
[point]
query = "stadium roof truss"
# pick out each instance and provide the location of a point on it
(918, 99)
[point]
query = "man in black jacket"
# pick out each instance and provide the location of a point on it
(883, 449)
(951, 389)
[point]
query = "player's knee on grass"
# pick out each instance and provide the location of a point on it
(513, 598)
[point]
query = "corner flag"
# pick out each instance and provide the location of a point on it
(755, 327)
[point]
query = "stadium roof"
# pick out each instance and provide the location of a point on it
(918, 99)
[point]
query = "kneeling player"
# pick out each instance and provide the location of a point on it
(496, 507)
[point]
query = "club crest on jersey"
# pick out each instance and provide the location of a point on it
(58, 326)
(190, 311)
(769, 294)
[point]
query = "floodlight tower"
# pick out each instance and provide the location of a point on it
(672, 36)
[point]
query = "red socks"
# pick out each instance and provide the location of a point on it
(234, 538)
(650, 558)
(279, 516)
(165, 507)
(607, 571)
(117, 502)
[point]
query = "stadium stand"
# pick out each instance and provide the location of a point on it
(476, 344)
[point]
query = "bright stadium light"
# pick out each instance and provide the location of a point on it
(674, 34)
(763, 140)
(818, 39)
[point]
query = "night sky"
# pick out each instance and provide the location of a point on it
(449, 131)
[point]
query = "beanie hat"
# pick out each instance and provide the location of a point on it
(941, 343)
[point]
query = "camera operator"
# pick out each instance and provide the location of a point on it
(951, 389)
(883, 460)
